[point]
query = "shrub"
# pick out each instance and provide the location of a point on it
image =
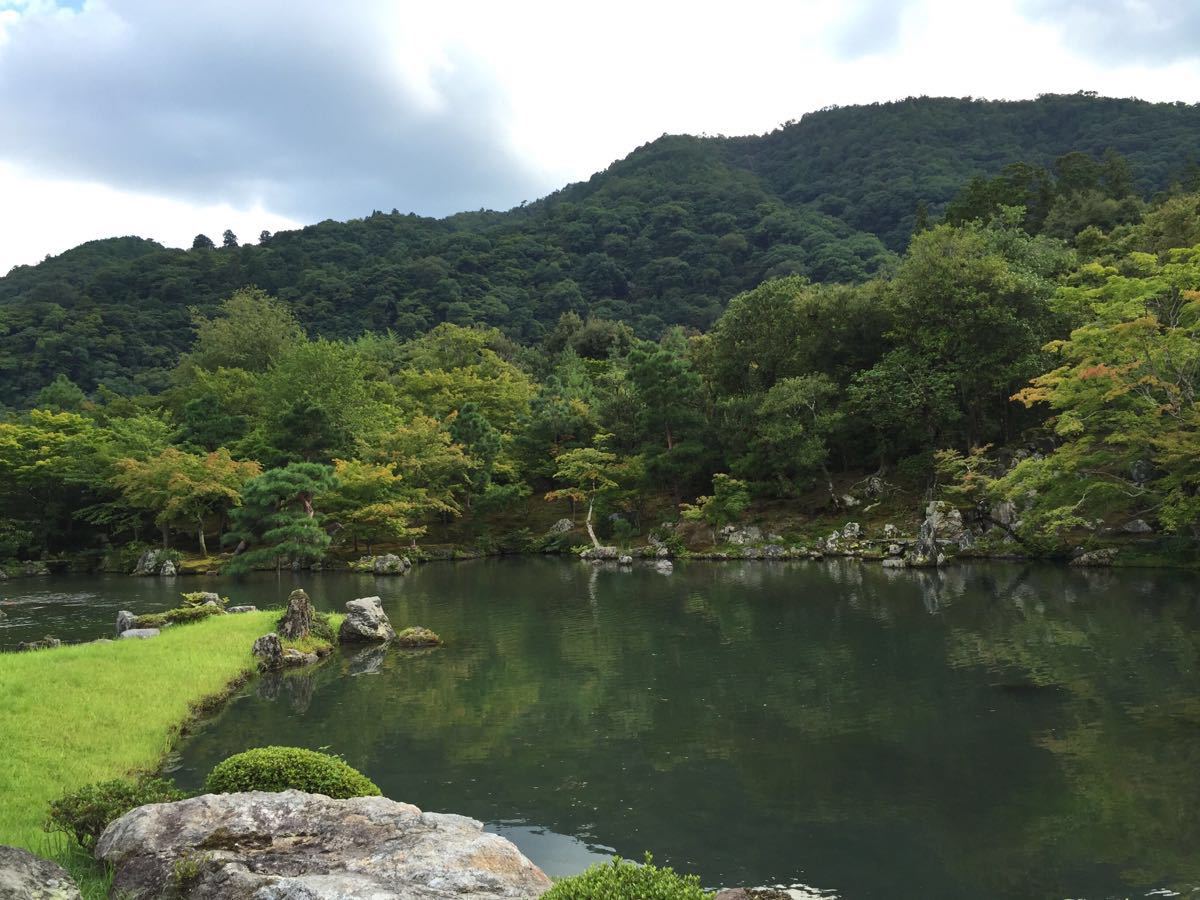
(284, 768)
(623, 880)
(88, 811)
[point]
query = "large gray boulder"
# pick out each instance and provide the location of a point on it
(365, 621)
(148, 563)
(297, 620)
(24, 876)
(268, 650)
(138, 633)
(264, 846)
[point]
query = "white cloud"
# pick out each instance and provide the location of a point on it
(47, 216)
(191, 112)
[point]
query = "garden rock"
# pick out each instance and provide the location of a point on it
(138, 633)
(269, 652)
(24, 876)
(1102, 557)
(242, 609)
(852, 532)
(272, 846)
(601, 553)
(46, 643)
(297, 620)
(365, 621)
(664, 567)
(148, 563)
(1137, 526)
(31, 568)
(390, 564)
(125, 621)
(167, 569)
(562, 526)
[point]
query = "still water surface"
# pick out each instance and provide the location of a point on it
(997, 730)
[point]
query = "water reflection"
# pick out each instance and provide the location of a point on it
(993, 730)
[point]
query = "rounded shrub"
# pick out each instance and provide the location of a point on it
(85, 813)
(289, 768)
(623, 880)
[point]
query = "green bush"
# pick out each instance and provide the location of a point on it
(178, 616)
(86, 812)
(284, 768)
(623, 880)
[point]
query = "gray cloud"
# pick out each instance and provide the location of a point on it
(296, 105)
(1156, 31)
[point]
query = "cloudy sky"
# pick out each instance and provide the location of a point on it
(165, 118)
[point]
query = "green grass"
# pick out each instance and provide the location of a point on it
(91, 712)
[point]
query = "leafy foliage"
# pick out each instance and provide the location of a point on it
(85, 813)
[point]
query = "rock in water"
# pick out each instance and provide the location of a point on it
(147, 563)
(390, 564)
(125, 621)
(168, 569)
(1102, 557)
(269, 652)
(365, 621)
(297, 621)
(292, 844)
(418, 636)
(24, 876)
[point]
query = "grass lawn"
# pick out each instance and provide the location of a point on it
(92, 712)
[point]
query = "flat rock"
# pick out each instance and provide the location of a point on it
(365, 621)
(242, 609)
(141, 633)
(24, 876)
(268, 846)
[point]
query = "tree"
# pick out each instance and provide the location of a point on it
(250, 331)
(728, 500)
(202, 242)
(371, 503)
(588, 472)
(277, 519)
(178, 487)
(475, 434)
(229, 239)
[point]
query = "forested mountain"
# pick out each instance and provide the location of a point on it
(665, 236)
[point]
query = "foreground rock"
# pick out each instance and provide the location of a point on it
(46, 643)
(125, 621)
(24, 876)
(268, 651)
(275, 846)
(365, 621)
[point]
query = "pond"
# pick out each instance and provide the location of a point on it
(994, 730)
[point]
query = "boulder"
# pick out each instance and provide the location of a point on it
(293, 657)
(663, 553)
(418, 636)
(46, 643)
(749, 534)
(167, 569)
(759, 894)
(242, 609)
(269, 652)
(890, 532)
(852, 532)
(1137, 526)
(148, 563)
(125, 621)
(24, 876)
(138, 633)
(625, 561)
(390, 564)
(297, 619)
(1102, 557)
(272, 846)
(895, 550)
(365, 621)
(562, 526)
(664, 567)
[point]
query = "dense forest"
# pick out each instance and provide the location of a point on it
(663, 237)
(708, 323)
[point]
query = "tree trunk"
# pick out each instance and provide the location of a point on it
(200, 534)
(588, 524)
(166, 536)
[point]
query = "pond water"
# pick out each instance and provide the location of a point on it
(998, 730)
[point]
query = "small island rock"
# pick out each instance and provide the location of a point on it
(418, 636)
